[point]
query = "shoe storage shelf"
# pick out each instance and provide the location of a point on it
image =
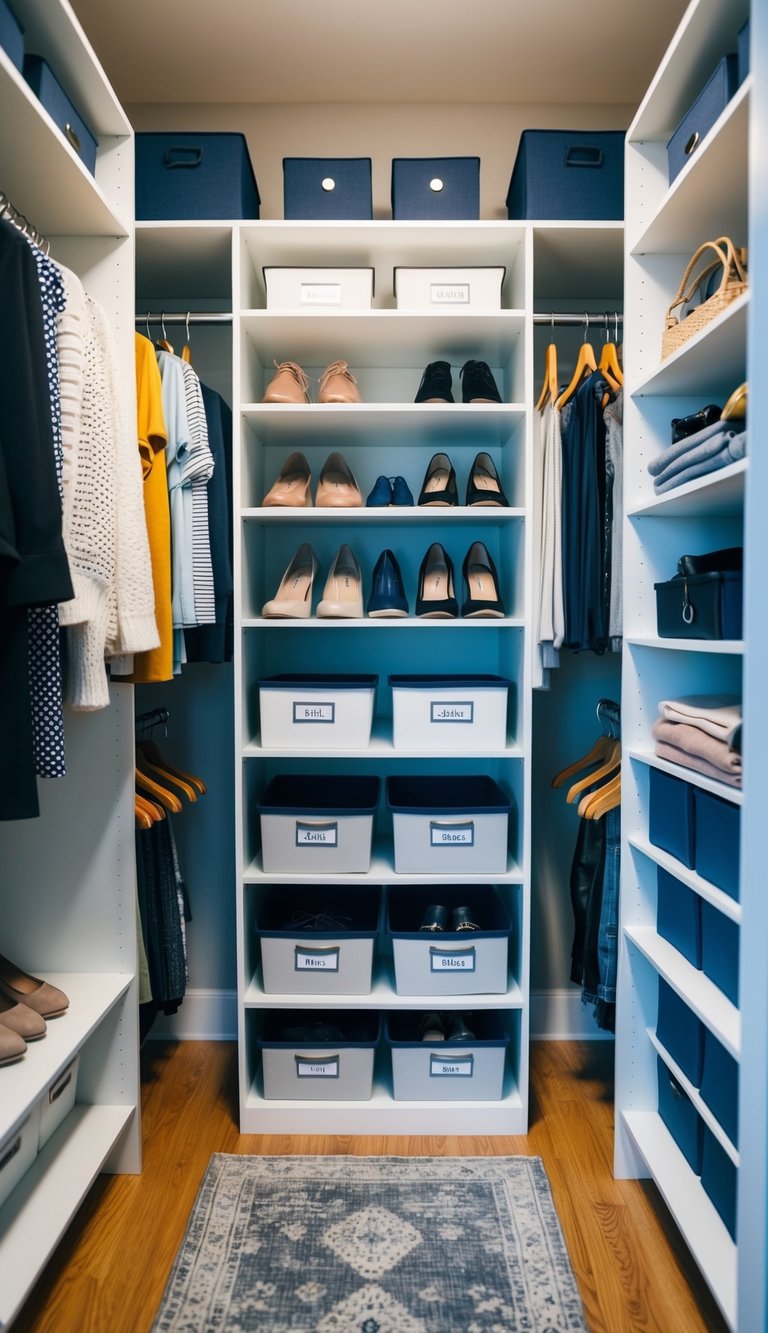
(710, 1169)
(67, 879)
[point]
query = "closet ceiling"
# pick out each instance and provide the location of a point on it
(519, 51)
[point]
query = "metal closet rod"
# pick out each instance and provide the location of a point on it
(602, 318)
(598, 318)
(185, 317)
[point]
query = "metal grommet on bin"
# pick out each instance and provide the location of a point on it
(328, 183)
(436, 184)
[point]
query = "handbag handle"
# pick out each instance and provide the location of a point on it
(727, 258)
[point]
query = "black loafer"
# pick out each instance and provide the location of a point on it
(431, 1028)
(436, 384)
(478, 384)
(435, 918)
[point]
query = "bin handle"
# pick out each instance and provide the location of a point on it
(584, 155)
(190, 157)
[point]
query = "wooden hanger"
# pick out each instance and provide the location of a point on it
(613, 759)
(168, 799)
(163, 344)
(586, 363)
(151, 808)
(550, 386)
(155, 759)
(599, 751)
(141, 818)
(598, 803)
(609, 362)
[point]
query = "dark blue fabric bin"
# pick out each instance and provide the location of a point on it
(46, 86)
(678, 916)
(334, 189)
(568, 174)
(436, 189)
(194, 176)
(11, 35)
(720, 950)
(699, 119)
(700, 606)
(680, 1032)
(680, 1116)
(742, 52)
(719, 1176)
(718, 825)
(671, 816)
(720, 1085)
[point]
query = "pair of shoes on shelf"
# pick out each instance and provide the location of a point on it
(337, 384)
(445, 1027)
(439, 919)
(477, 383)
(436, 598)
(336, 486)
(389, 491)
(343, 595)
(26, 1002)
(483, 483)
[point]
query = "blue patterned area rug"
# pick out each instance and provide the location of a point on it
(372, 1245)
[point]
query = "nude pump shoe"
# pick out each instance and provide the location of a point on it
(19, 987)
(293, 598)
(336, 485)
(291, 486)
(343, 595)
(12, 1046)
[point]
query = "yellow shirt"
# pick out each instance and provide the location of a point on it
(157, 664)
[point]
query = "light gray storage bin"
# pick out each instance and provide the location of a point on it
(318, 825)
(447, 1071)
(324, 1070)
(316, 712)
(58, 1100)
(335, 956)
(473, 962)
(449, 712)
(448, 825)
(18, 1151)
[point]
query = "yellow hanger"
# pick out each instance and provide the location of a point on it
(168, 799)
(609, 362)
(156, 759)
(550, 386)
(598, 803)
(186, 351)
(151, 809)
(600, 750)
(613, 759)
(585, 365)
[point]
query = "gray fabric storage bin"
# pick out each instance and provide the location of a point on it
(568, 174)
(326, 1069)
(473, 962)
(448, 825)
(449, 712)
(18, 1151)
(447, 1071)
(318, 825)
(336, 959)
(699, 119)
(44, 83)
(320, 711)
(194, 175)
(11, 35)
(58, 1100)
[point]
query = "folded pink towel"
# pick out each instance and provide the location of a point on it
(717, 714)
(687, 760)
(698, 743)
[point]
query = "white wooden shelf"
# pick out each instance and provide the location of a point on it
(709, 892)
(720, 647)
(733, 794)
(409, 515)
(383, 338)
(717, 495)
(382, 625)
(381, 871)
(717, 351)
(702, 995)
(382, 996)
(381, 747)
(474, 425)
(711, 1121)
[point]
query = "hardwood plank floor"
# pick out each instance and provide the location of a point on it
(108, 1274)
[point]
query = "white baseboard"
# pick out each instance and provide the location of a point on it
(211, 1015)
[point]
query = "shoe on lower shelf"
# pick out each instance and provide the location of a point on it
(343, 595)
(20, 987)
(293, 599)
(12, 1046)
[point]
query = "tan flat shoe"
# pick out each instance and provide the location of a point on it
(12, 1046)
(289, 385)
(21, 988)
(338, 384)
(343, 595)
(293, 598)
(22, 1020)
(336, 486)
(292, 484)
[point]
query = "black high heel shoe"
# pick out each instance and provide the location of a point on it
(481, 584)
(439, 484)
(435, 597)
(483, 484)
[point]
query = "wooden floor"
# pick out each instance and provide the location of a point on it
(109, 1272)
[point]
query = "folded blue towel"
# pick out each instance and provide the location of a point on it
(733, 450)
(690, 450)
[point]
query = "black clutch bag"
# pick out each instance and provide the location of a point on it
(682, 427)
(704, 599)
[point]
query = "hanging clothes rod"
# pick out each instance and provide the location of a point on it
(188, 317)
(601, 319)
(23, 223)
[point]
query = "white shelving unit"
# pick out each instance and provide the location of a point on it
(665, 223)
(67, 879)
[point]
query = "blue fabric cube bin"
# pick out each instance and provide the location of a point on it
(678, 916)
(699, 119)
(742, 52)
(720, 950)
(671, 816)
(436, 189)
(680, 1032)
(327, 189)
(11, 35)
(720, 1085)
(719, 1177)
(680, 1116)
(47, 88)
(196, 176)
(718, 825)
(568, 174)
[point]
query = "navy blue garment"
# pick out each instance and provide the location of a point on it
(587, 520)
(214, 643)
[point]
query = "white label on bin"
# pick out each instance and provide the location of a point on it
(449, 293)
(308, 1066)
(452, 835)
(317, 835)
(453, 960)
(312, 712)
(316, 960)
(320, 293)
(452, 710)
(457, 1066)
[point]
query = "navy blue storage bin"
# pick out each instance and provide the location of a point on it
(680, 1116)
(699, 119)
(720, 950)
(572, 174)
(671, 816)
(720, 1085)
(718, 825)
(333, 189)
(680, 1032)
(742, 52)
(186, 175)
(436, 189)
(700, 606)
(678, 916)
(11, 35)
(46, 86)
(718, 1176)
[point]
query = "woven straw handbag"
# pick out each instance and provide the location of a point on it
(714, 258)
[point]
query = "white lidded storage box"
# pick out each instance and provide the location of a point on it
(451, 713)
(18, 1151)
(316, 712)
(328, 1058)
(318, 825)
(319, 288)
(58, 1100)
(449, 962)
(448, 825)
(468, 1070)
(318, 941)
(443, 288)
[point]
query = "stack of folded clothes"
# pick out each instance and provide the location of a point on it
(703, 732)
(713, 447)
